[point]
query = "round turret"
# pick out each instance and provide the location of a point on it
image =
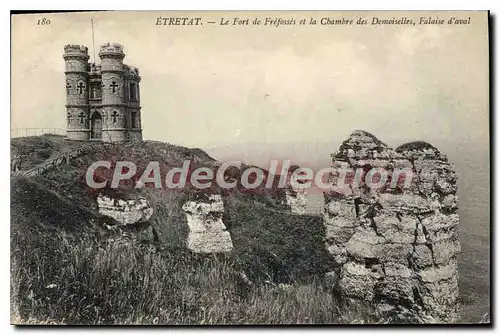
(77, 93)
(111, 55)
(76, 57)
(113, 92)
(111, 50)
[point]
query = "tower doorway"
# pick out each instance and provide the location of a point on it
(96, 126)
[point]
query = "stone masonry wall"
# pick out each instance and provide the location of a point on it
(396, 246)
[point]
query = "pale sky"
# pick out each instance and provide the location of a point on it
(212, 85)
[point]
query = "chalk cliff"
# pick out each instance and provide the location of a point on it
(395, 245)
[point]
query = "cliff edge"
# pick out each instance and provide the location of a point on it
(396, 244)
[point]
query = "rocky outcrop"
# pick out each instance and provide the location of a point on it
(125, 211)
(396, 243)
(207, 232)
(295, 197)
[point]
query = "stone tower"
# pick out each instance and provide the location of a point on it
(77, 98)
(103, 101)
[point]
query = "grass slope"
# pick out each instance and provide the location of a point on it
(35, 150)
(65, 270)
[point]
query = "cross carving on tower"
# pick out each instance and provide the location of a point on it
(114, 116)
(68, 86)
(113, 86)
(81, 116)
(80, 87)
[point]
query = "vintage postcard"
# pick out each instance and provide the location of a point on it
(250, 167)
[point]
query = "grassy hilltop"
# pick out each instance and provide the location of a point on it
(67, 270)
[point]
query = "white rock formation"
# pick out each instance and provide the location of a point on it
(397, 248)
(296, 197)
(207, 232)
(125, 211)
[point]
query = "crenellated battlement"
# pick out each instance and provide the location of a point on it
(111, 50)
(76, 48)
(76, 51)
(131, 72)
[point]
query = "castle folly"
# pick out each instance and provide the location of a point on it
(103, 101)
